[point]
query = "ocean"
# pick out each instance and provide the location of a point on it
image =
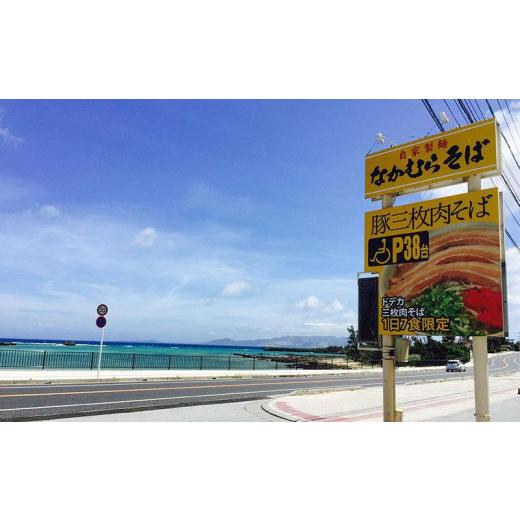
(57, 345)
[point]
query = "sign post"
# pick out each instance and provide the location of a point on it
(101, 322)
(480, 352)
(388, 356)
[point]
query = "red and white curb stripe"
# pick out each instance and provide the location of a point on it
(287, 411)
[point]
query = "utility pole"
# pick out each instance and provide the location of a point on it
(480, 351)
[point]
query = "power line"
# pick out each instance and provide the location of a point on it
(465, 110)
(426, 103)
(503, 157)
(511, 212)
(466, 115)
(478, 104)
(507, 183)
(513, 193)
(479, 109)
(506, 179)
(507, 205)
(505, 138)
(510, 170)
(469, 105)
(451, 112)
(512, 240)
(467, 118)
(512, 118)
(507, 124)
(515, 219)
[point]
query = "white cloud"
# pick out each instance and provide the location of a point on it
(328, 327)
(145, 238)
(513, 291)
(48, 265)
(313, 304)
(454, 189)
(50, 211)
(310, 303)
(235, 288)
(336, 306)
(6, 136)
(336, 327)
(335, 322)
(513, 276)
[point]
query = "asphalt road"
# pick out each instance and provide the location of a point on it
(47, 401)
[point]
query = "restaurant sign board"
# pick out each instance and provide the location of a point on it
(438, 160)
(439, 265)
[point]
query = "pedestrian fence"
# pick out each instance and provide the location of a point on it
(47, 359)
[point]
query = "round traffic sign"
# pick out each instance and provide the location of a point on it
(101, 322)
(102, 309)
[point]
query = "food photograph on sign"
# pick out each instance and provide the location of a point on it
(439, 265)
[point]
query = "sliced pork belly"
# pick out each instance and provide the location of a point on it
(474, 273)
(487, 254)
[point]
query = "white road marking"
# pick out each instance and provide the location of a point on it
(162, 382)
(339, 378)
(146, 400)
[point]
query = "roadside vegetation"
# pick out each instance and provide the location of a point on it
(429, 350)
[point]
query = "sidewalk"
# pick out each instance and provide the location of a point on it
(14, 376)
(419, 401)
(242, 411)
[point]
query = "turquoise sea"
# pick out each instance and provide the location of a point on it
(57, 345)
(54, 354)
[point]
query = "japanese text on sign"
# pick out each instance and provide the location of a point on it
(446, 158)
(396, 317)
(398, 249)
(425, 216)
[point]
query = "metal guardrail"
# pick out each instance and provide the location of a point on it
(47, 359)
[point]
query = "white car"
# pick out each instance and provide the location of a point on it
(455, 365)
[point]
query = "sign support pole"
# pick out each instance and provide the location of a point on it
(388, 353)
(480, 351)
(100, 351)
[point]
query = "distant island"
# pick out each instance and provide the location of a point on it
(303, 342)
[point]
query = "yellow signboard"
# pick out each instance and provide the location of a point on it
(439, 265)
(440, 159)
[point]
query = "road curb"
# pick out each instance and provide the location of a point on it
(326, 390)
(267, 409)
(280, 415)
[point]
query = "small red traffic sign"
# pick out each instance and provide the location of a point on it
(102, 309)
(101, 322)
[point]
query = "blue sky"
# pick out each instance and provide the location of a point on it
(192, 220)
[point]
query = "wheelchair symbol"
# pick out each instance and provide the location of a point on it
(382, 255)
